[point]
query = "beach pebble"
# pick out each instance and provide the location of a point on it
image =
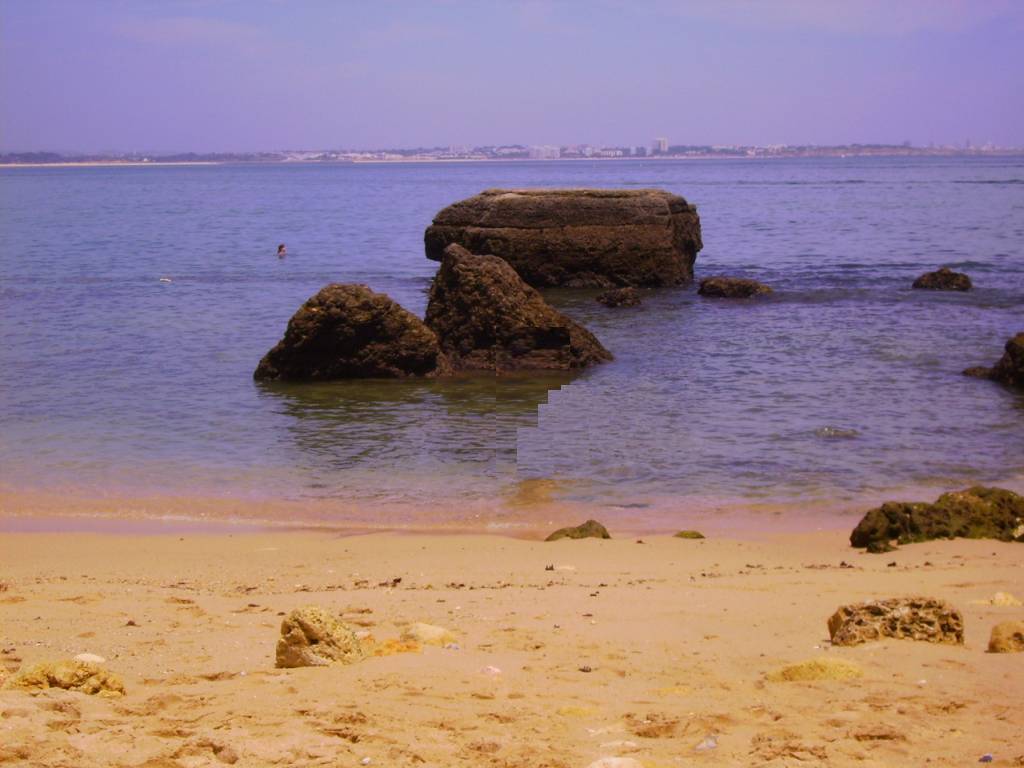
(616, 762)
(710, 742)
(428, 634)
(620, 746)
(491, 671)
(90, 658)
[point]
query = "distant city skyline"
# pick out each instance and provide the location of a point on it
(264, 75)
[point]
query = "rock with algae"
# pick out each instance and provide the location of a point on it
(973, 513)
(314, 637)
(817, 669)
(732, 288)
(588, 530)
(85, 677)
(688, 535)
(1007, 637)
(910, 618)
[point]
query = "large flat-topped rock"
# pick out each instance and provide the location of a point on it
(576, 237)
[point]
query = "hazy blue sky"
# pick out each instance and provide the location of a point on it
(266, 74)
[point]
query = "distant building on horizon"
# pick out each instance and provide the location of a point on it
(545, 152)
(660, 146)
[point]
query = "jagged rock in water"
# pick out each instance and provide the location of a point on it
(588, 530)
(576, 237)
(973, 513)
(732, 288)
(1009, 369)
(71, 675)
(910, 618)
(347, 331)
(314, 637)
(487, 319)
(1007, 637)
(944, 279)
(619, 297)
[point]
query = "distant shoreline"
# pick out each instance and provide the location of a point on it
(426, 160)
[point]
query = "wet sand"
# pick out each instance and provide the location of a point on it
(628, 649)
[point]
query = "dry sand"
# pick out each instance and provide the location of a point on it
(627, 649)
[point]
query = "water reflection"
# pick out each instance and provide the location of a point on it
(382, 432)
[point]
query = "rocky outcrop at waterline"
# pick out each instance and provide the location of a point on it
(1010, 367)
(347, 331)
(973, 513)
(576, 237)
(943, 279)
(487, 319)
(732, 288)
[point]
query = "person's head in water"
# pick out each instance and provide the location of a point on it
(281, 250)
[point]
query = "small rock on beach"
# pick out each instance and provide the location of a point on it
(911, 618)
(314, 637)
(588, 530)
(1007, 637)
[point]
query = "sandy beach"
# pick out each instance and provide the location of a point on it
(564, 652)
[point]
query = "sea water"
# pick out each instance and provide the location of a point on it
(135, 303)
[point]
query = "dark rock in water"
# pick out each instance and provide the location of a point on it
(732, 288)
(1009, 369)
(576, 237)
(974, 513)
(688, 535)
(944, 279)
(487, 319)
(350, 332)
(588, 530)
(620, 297)
(978, 372)
(910, 618)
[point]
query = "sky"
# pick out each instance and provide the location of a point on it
(249, 75)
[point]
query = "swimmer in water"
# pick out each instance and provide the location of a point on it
(281, 251)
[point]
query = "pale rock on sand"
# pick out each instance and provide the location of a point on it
(1007, 637)
(90, 658)
(70, 675)
(817, 669)
(911, 618)
(428, 634)
(616, 762)
(313, 637)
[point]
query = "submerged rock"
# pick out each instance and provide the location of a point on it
(488, 319)
(1009, 369)
(620, 297)
(1007, 637)
(588, 530)
(688, 535)
(314, 637)
(732, 288)
(817, 669)
(576, 237)
(82, 676)
(943, 279)
(973, 513)
(911, 618)
(347, 331)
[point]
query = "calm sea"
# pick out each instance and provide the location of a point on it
(843, 385)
